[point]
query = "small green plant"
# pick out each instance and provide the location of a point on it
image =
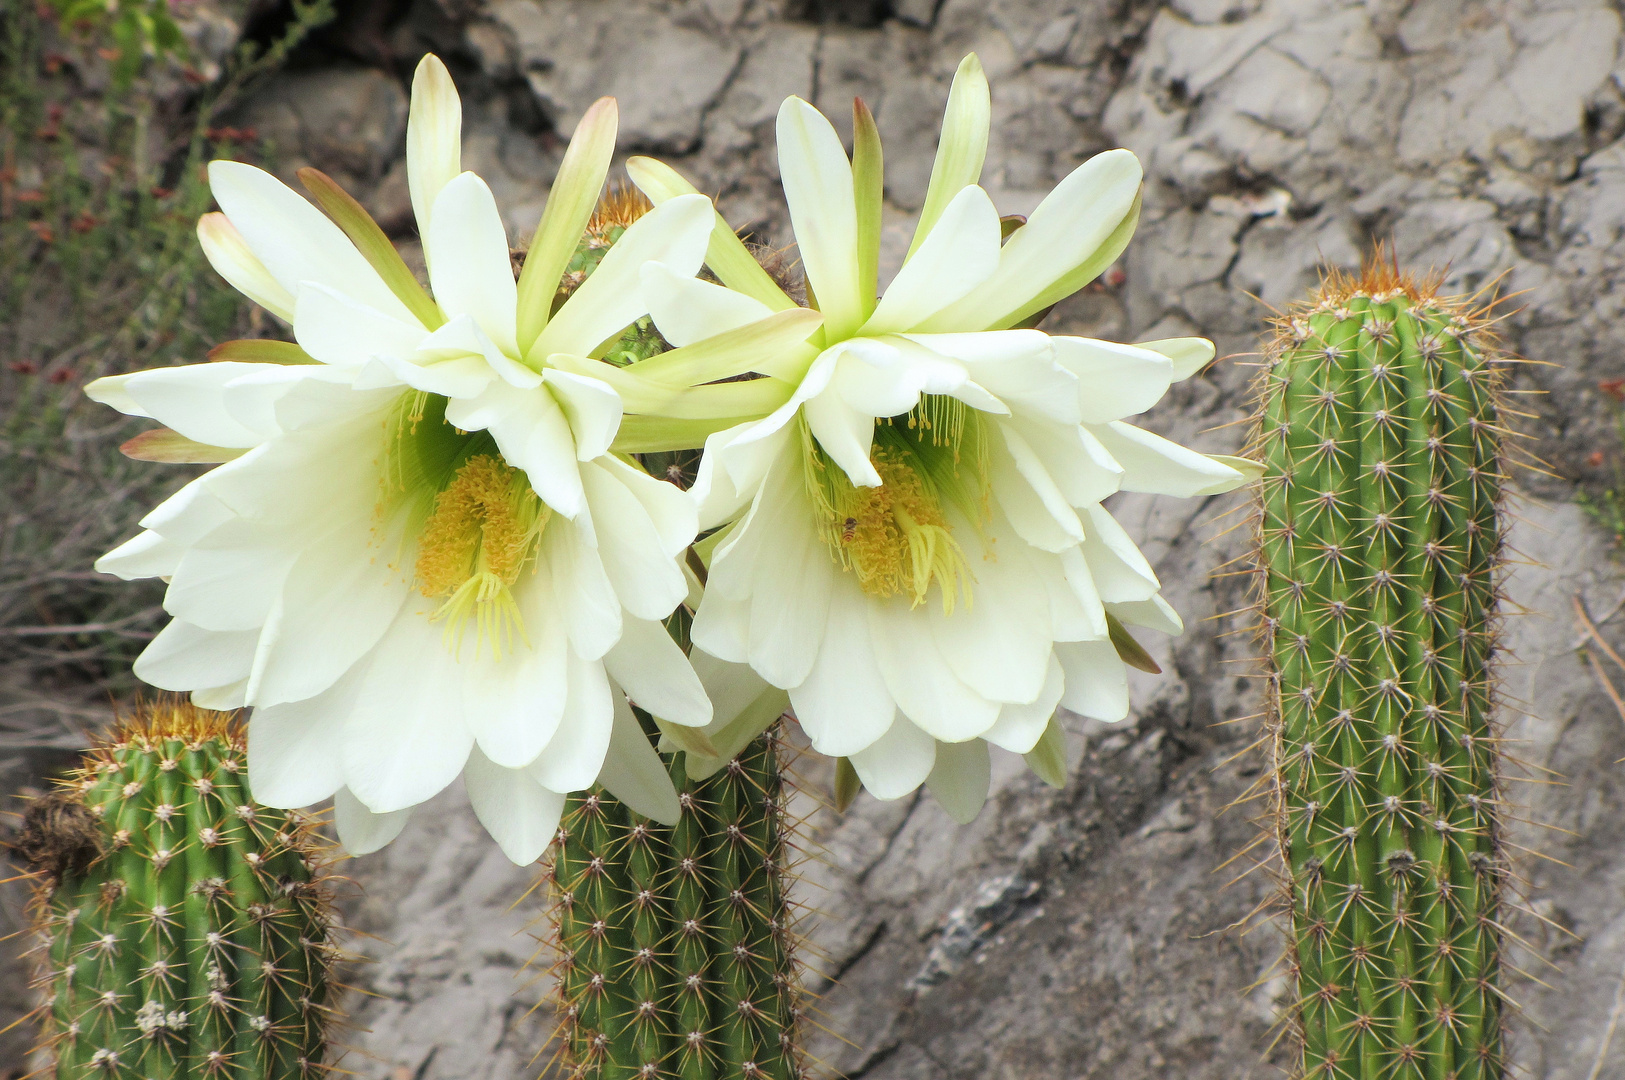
(187, 928)
(1379, 552)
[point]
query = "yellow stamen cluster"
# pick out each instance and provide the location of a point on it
(483, 533)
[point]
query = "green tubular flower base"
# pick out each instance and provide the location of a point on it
(187, 928)
(1379, 552)
(675, 947)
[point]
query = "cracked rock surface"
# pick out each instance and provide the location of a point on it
(1090, 932)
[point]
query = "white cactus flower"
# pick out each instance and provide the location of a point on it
(418, 557)
(915, 547)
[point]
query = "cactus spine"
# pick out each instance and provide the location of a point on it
(187, 929)
(1379, 549)
(675, 944)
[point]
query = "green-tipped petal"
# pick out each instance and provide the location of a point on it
(653, 434)
(1189, 354)
(868, 193)
(231, 258)
(734, 352)
(961, 148)
(370, 240)
(162, 444)
(1048, 758)
(434, 135)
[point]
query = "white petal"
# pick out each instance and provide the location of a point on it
(674, 233)
(1074, 458)
(729, 477)
(471, 273)
(1155, 465)
(1018, 366)
(362, 832)
(533, 434)
(1096, 680)
(226, 698)
(1153, 614)
(686, 309)
(1020, 726)
(993, 644)
(572, 759)
(514, 707)
(231, 578)
(521, 815)
(817, 180)
(634, 773)
(434, 135)
(463, 377)
(294, 240)
(648, 581)
(1121, 573)
(593, 409)
(232, 259)
(670, 508)
(188, 399)
(874, 378)
(655, 674)
(960, 253)
(1189, 354)
(959, 780)
(1028, 494)
(147, 554)
(338, 330)
(722, 627)
(1114, 380)
(843, 704)
(293, 757)
(788, 610)
(184, 657)
(924, 685)
(585, 595)
(846, 434)
(1080, 586)
(898, 762)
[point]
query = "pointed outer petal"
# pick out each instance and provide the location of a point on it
(735, 344)
(1153, 614)
(362, 832)
(645, 397)
(472, 273)
(188, 399)
(654, 434)
(1016, 366)
(591, 406)
(295, 240)
(339, 600)
(1021, 726)
(374, 246)
(222, 698)
(582, 588)
(743, 706)
(647, 577)
(533, 434)
(173, 448)
(817, 181)
(1082, 274)
(846, 434)
(293, 749)
(1114, 380)
(464, 377)
(868, 195)
(230, 580)
(232, 259)
(961, 253)
(920, 679)
(673, 233)
(960, 149)
(875, 378)
(260, 351)
(110, 390)
(1157, 466)
(686, 309)
(1249, 469)
(521, 815)
(728, 476)
(1029, 496)
(790, 578)
(146, 554)
(1189, 354)
(960, 778)
(1096, 680)
(1047, 760)
(634, 773)
(193, 511)
(434, 139)
(513, 705)
(184, 657)
(898, 762)
(656, 675)
(1080, 586)
(726, 254)
(403, 737)
(843, 704)
(1074, 458)
(668, 506)
(570, 204)
(995, 645)
(1069, 225)
(722, 627)
(337, 330)
(572, 759)
(1120, 571)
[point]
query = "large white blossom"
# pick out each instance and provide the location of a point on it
(914, 544)
(418, 557)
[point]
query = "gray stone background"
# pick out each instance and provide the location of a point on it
(1095, 931)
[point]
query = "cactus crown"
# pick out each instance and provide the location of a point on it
(1379, 551)
(186, 930)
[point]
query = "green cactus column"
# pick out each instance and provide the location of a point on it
(187, 927)
(1379, 550)
(675, 947)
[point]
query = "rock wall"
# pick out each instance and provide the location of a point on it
(1095, 931)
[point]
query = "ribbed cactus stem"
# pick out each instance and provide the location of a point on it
(1379, 549)
(676, 955)
(188, 928)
